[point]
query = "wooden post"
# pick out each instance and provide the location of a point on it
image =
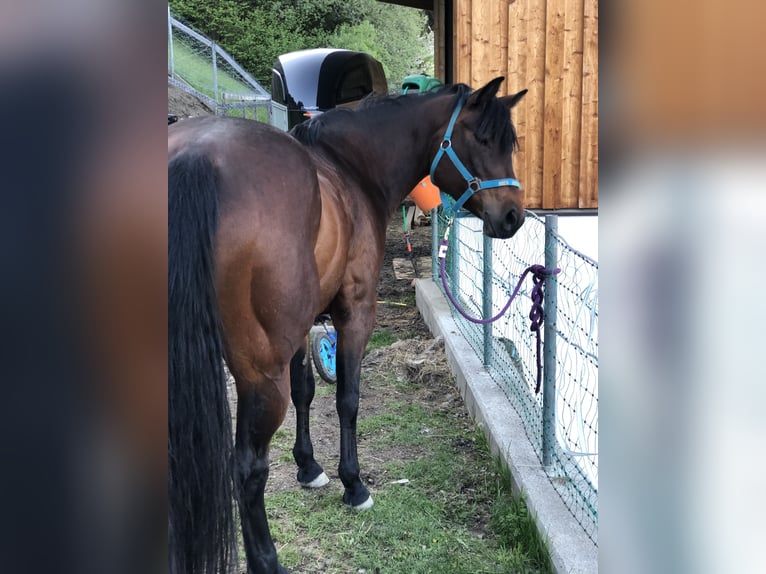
(463, 42)
(588, 187)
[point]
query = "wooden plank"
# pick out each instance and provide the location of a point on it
(589, 145)
(498, 55)
(516, 52)
(439, 39)
(517, 80)
(481, 32)
(571, 104)
(535, 102)
(463, 41)
(554, 91)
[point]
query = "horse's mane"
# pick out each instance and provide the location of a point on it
(309, 132)
(493, 124)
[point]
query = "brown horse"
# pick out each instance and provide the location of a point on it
(267, 231)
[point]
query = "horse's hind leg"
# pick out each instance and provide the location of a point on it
(302, 385)
(261, 409)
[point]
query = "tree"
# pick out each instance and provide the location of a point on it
(404, 40)
(255, 32)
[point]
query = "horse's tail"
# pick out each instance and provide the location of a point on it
(200, 513)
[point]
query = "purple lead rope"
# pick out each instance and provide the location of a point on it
(536, 314)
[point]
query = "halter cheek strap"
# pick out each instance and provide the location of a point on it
(474, 183)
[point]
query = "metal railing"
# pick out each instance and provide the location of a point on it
(202, 68)
(561, 421)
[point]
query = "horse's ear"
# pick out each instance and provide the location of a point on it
(482, 96)
(512, 100)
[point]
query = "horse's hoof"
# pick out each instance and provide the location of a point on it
(280, 570)
(318, 482)
(364, 505)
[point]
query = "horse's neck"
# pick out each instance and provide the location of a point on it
(389, 150)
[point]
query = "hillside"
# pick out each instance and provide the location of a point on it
(185, 105)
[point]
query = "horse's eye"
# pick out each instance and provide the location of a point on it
(483, 141)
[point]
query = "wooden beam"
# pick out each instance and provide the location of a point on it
(535, 101)
(516, 81)
(588, 196)
(440, 32)
(463, 41)
(498, 56)
(571, 115)
(554, 91)
(481, 34)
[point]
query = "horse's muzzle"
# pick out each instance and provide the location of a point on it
(502, 224)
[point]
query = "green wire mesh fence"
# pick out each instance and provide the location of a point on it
(508, 347)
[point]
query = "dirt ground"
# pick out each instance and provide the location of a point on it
(402, 321)
(185, 105)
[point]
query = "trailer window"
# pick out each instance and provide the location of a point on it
(354, 86)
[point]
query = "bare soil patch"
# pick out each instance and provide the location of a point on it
(184, 105)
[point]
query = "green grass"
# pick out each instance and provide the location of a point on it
(323, 389)
(196, 69)
(455, 515)
(262, 115)
(380, 339)
(404, 424)
(516, 534)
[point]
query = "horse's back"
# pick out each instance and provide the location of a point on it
(239, 148)
(267, 181)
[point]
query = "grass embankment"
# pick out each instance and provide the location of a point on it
(196, 69)
(443, 503)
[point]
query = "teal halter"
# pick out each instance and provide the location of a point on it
(474, 183)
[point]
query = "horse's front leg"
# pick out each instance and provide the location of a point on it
(302, 386)
(354, 328)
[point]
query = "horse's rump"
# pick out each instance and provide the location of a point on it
(267, 278)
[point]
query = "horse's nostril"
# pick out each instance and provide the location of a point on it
(510, 218)
(502, 223)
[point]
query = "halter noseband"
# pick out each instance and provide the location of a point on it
(474, 183)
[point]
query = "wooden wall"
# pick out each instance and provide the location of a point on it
(551, 48)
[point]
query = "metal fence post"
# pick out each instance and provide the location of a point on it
(486, 274)
(549, 349)
(435, 244)
(215, 72)
(171, 62)
(453, 258)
